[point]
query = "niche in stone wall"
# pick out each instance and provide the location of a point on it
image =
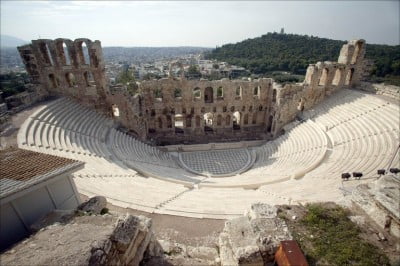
(53, 81)
(337, 77)
(323, 80)
(115, 110)
(357, 52)
(208, 95)
(208, 119)
(274, 95)
(158, 95)
(238, 94)
(178, 122)
(256, 92)
(46, 54)
(89, 80)
(83, 53)
(228, 120)
(349, 77)
(196, 93)
(220, 93)
(254, 118)
(236, 120)
(70, 79)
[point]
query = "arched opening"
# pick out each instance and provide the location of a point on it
(337, 77)
(349, 77)
(246, 119)
(236, 120)
(239, 92)
(208, 119)
(256, 92)
(115, 110)
(274, 95)
(228, 121)
(169, 121)
(254, 119)
(70, 78)
(160, 124)
(89, 80)
(219, 120)
(208, 95)
(83, 53)
(178, 94)
(197, 121)
(67, 58)
(46, 54)
(189, 121)
(220, 93)
(158, 95)
(260, 108)
(270, 121)
(324, 77)
(178, 122)
(357, 52)
(53, 81)
(196, 93)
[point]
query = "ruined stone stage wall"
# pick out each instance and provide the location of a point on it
(173, 111)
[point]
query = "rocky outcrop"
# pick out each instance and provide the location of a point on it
(94, 205)
(380, 201)
(254, 238)
(81, 238)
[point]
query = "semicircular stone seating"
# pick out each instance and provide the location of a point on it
(350, 131)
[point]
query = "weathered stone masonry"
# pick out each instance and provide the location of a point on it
(187, 111)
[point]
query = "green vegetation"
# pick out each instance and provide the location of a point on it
(293, 53)
(336, 240)
(13, 83)
(126, 78)
(193, 72)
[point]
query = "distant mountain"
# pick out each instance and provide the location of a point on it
(292, 52)
(11, 41)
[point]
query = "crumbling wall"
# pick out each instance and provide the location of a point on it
(173, 111)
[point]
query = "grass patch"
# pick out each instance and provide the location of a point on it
(336, 240)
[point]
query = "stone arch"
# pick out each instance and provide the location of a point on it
(300, 106)
(53, 81)
(219, 120)
(349, 77)
(228, 120)
(209, 95)
(337, 77)
(83, 51)
(178, 123)
(323, 80)
(357, 52)
(46, 54)
(196, 93)
(70, 78)
(63, 52)
(208, 118)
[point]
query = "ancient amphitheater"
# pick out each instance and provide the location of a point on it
(308, 134)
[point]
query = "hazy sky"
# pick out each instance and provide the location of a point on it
(202, 23)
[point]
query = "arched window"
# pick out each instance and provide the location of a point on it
(323, 80)
(83, 53)
(169, 121)
(349, 77)
(197, 121)
(177, 93)
(246, 119)
(357, 52)
(254, 120)
(228, 120)
(46, 54)
(256, 91)
(158, 94)
(220, 93)
(208, 95)
(239, 92)
(236, 120)
(89, 80)
(188, 121)
(219, 120)
(115, 110)
(337, 77)
(196, 93)
(53, 81)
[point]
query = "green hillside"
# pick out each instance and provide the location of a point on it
(293, 53)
